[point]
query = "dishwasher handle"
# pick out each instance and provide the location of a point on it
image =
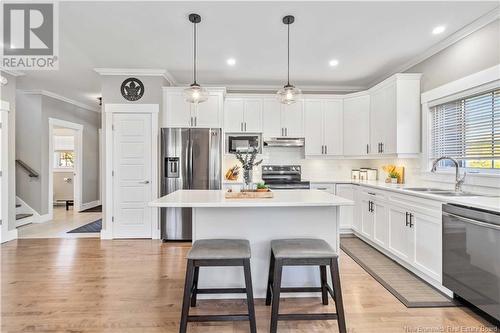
(475, 222)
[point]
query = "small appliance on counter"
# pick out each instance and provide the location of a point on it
(284, 177)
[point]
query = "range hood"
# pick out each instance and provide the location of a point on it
(284, 142)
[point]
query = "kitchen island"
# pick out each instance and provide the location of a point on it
(289, 214)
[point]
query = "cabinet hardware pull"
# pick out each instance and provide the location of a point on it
(407, 223)
(326, 149)
(322, 149)
(371, 193)
(195, 121)
(367, 148)
(245, 126)
(411, 220)
(286, 131)
(381, 147)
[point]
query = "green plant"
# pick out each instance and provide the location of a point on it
(261, 186)
(393, 174)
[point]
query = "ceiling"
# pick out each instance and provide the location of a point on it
(369, 39)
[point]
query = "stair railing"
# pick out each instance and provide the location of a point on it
(31, 172)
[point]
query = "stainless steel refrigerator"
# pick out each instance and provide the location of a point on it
(190, 160)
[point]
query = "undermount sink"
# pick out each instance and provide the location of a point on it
(446, 193)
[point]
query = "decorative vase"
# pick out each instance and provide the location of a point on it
(248, 177)
(394, 180)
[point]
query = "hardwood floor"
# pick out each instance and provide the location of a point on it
(63, 221)
(89, 285)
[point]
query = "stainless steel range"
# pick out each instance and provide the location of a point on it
(283, 177)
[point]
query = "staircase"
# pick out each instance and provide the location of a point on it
(22, 218)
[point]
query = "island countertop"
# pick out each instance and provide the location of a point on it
(283, 198)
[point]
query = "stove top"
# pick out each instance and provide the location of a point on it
(283, 177)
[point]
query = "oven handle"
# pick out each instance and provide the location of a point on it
(471, 221)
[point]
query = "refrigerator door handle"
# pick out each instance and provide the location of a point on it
(191, 163)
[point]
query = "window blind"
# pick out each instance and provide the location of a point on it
(468, 128)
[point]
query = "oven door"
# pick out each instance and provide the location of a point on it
(471, 256)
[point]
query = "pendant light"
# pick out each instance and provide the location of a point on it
(289, 94)
(195, 93)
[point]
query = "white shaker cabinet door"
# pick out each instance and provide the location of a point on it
(292, 119)
(208, 113)
(177, 110)
(399, 234)
(313, 114)
(381, 227)
(427, 238)
(253, 115)
(233, 115)
(346, 212)
(271, 118)
(333, 124)
(356, 119)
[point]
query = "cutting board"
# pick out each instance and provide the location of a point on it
(248, 195)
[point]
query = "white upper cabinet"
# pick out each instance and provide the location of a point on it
(271, 118)
(323, 127)
(395, 115)
(280, 120)
(356, 134)
(243, 115)
(177, 112)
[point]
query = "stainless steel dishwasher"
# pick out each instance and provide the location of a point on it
(471, 256)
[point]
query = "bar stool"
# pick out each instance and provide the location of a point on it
(304, 252)
(217, 252)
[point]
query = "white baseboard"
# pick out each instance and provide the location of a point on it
(91, 204)
(42, 218)
(8, 236)
(107, 233)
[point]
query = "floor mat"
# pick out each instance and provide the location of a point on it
(95, 226)
(96, 209)
(412, 291)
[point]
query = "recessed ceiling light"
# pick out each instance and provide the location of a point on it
(231, 61)
(333, 62)
(439, 29)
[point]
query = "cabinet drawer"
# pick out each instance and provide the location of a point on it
(328, 187)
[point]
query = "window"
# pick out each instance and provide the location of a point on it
(468, 130)
(64, 159)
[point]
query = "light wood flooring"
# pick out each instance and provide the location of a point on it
(89, 285)
(63, 221)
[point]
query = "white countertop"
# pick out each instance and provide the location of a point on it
(215, 198)
(487, 202)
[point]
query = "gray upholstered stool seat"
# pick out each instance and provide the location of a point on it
(220, 249)
(302, 248)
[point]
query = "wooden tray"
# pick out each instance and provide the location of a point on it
(248, 195)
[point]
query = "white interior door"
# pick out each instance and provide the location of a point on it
(132, 180)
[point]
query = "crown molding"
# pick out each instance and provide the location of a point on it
(61, 98)
(137, 72)
(12, 72)
(448, 41)
(307, 89)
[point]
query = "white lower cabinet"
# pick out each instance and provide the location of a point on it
(427, 238)
(407, 227)
(345, 191)
(328, 187)
(400, 242)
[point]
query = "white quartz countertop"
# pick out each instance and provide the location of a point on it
(487, 202)
(215, 198)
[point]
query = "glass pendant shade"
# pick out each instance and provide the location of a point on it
(195, 94)
(289, 94)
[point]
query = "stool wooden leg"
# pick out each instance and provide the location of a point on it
(248, 286)
(337, 292)
(187, 293)
(278, 268)
(195, 286)
(324, 281)
(270, 280)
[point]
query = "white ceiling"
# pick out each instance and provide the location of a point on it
(370, 40)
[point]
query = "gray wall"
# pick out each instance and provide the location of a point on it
(32, 142)
(8, 94)
(478, 51)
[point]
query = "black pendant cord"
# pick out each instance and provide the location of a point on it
(194, 55)
(288, 50)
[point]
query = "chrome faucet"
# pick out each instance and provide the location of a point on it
(458, 181)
